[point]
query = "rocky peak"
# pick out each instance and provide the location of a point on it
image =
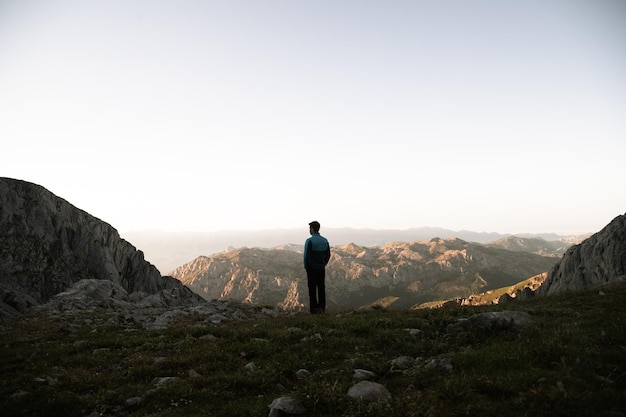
(598, 260)
(47, 244)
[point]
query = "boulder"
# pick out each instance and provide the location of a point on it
(368, 391)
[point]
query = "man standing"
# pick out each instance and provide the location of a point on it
(316, 256)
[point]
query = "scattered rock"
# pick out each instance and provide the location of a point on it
(496, 321)
(250, 367)
(368, 391)
(133, 402)
(164, 380)
(284, 406)
(19, 394)
(439, 364)
(302, 374)
(363, 374)
(194, 374)
(414, 332)
(403, 362)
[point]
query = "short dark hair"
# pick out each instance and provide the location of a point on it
(315, 225)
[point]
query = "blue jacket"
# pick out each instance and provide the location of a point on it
(316, 252)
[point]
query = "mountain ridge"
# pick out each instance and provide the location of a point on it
(169, 250)
(412, 272)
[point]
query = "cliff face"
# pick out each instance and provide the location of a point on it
(46, 245)
(409, 273)
(598, 260)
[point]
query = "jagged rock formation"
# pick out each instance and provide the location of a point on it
(248, 275)
(407, 273)
(598, 260)
(47, 244)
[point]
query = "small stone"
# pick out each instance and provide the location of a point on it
(250, 367)
(164, 380)
(403, 362)
(19, 394)
(302, 374)
(414, 332)
(439, 364)
(286, 406)
(133, 401)
(363, 374)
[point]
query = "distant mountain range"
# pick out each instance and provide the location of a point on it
(168, 250)
(409, 273)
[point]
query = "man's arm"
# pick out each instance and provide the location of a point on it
(306, 248)
(327, 255)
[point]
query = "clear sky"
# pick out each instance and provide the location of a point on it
(499, 116)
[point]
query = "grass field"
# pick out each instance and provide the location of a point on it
(569, 362)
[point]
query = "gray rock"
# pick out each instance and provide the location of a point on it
(439, 364)
(403, 362)
(283, 406)
(302, 374)
(164, 380)
(133, 401)
(100, 351)
(368, 391)
(363, 374)
(414, 332)
(496, 321)
(250, 367)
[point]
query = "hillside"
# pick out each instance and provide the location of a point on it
(411, 273)
(563, 356)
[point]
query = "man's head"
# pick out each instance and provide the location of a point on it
(314, 227)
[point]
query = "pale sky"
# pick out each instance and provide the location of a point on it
(499, 116)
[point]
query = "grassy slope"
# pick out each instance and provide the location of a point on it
(571, 362)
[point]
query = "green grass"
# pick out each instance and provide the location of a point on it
(570, 362)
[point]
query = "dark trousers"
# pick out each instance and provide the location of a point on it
(317, 290)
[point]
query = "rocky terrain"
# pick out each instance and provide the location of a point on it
(48, 246)
(404, 274)
(598, 260)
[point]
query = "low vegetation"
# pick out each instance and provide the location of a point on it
(569, 362)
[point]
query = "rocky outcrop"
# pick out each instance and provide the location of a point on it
(406, 273)
(47, 244)
(598, 260)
